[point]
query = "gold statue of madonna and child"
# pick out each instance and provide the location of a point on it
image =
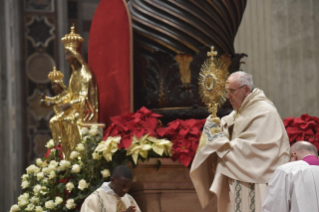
(78, 105)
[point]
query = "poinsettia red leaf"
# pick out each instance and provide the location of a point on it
(137, 116)
(127, 116)
(148, 113)
(116, 132)
(125, 142)
(150, 123)
(307, 125)
(316, 128)
(288, 121)
(292, 130)
(316, 119)
(174, 124)
(309, 132)
(317, 145)
(108, 131)
(305, 117)
(117, 120)
(153, 134)
(155, 115)
(183, 132)
(138, 132)
(200, 123)
(144, 110)
(161, 131)
(191, 123)
(65, 180)
(59, 147)
(298, 121)
(194, 131)
(293, 138)
(184, 159)
(132, 124)
(47, 153)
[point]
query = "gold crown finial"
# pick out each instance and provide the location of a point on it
(72, 28)
(72, 39)
(55, 76)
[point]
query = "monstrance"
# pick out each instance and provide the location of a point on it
(212, 80)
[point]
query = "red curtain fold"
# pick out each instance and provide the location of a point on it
(110, 57)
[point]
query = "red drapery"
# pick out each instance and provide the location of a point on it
(110, 57)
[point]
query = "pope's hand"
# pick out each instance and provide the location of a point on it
(132, 208)
(213, 124)
(212, 121)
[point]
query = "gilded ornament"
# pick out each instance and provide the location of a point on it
(76, 106)
(212, 80)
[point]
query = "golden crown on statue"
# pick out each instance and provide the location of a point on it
(72, 39)
(55, 76)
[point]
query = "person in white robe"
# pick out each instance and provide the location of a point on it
(112, 196)
(294, 187)
(237, 157)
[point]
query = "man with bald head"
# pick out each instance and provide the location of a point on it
(294, 187)
(112, 196)
(238, 154)
(303, 150)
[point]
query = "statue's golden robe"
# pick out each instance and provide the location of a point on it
(104, 199)
(236, 164)
(56, 121)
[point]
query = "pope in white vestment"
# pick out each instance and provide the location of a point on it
(294, 187)
(237, 162)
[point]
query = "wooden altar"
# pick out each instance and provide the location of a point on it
(168, 189)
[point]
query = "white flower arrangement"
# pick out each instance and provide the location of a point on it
(76, 168)
(74, 155)
(83, 184)
(49, 204)
(55, 184)
(70, 204)
(106, 173)
(69, 186)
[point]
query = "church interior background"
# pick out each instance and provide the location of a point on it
(279, 37)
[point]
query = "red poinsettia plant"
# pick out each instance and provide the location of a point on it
(184, 134)
(304, 128)
(141, 123)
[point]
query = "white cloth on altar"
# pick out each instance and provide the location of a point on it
(253, 142)
(104, 199)
(294, 187)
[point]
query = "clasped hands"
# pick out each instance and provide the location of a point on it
(132, 208)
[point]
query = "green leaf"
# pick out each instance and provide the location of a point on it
(61, 187)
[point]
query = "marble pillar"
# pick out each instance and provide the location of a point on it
(12, 121)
